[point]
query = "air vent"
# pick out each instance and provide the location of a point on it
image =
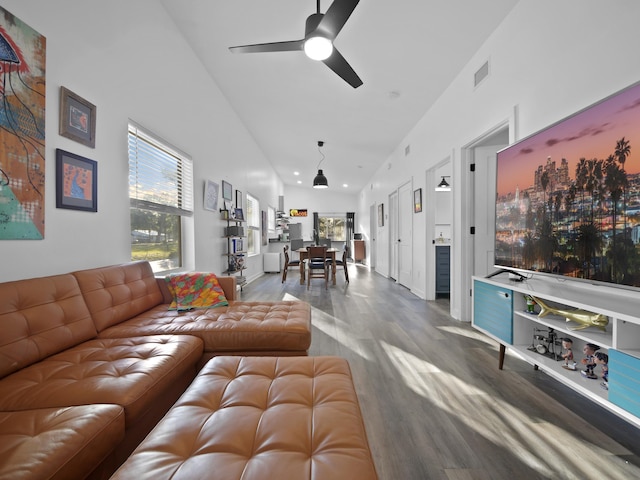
(481, 74)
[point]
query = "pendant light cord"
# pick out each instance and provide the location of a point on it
(319, 150)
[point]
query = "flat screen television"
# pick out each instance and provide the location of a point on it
(568, 196)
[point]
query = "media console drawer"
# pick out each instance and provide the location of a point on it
(493, 310)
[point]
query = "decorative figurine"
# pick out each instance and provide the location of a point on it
(589, 361)
(584, 318)
(530, 303)
(602, 359)
(567, 346)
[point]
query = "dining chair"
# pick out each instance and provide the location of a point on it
(325, 242)
(288, 263)
(296, 244)
(317, 265)
(343, 262)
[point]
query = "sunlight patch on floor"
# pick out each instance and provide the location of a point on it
(472, 334)
(333, 327)
(539, 445)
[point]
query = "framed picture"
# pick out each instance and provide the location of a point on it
(76, 182)
(417, 200)
(211, 190)
(77, 118)
(381, 215)
(265, 235)
(238, 199)
(227, 191)
(238, 214)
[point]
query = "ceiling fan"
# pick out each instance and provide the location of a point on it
(319, 33)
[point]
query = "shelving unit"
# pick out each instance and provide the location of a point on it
(235, 235)
(500, 311)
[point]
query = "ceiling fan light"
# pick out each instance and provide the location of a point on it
(318, 48)
(320, 181)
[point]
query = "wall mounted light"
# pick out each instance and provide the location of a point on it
(444, 186)
(320, 181)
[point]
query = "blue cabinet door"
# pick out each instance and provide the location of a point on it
(624, 381)
(493, 310)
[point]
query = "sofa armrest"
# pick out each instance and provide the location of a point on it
(228, 285)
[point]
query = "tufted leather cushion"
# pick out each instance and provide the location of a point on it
(119, 292)
(58, 443)
(256, 418)
(40, 317)
(130, 372)
(242, 326)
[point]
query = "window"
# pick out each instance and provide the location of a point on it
(161, 199)
(333, 228)
(271, 218)
(253, 225)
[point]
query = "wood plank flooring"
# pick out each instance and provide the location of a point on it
(434, 402)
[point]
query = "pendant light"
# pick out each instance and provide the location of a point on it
(443, 186)
(320, 181)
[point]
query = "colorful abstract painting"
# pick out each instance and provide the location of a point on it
(22, 138)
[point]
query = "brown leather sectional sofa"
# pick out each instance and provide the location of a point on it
(90, 361)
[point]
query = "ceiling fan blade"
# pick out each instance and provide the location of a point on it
(339, 65)
(336, 16)
(291, 46)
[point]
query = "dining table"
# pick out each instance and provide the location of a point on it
(332, 253)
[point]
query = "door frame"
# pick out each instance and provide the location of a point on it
(461, 300)
(392, 218)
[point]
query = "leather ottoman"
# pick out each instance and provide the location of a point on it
(257, 418)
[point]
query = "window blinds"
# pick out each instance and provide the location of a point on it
(160, 176)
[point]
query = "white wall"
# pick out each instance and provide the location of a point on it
(549, 59)
(129, 60)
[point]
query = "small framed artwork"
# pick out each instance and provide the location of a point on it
(76, 182)
(265, 235)
(381, 215)
(77, 118)
(238, 214)
(238, 199)
(417, 200)
(227, 191)
(211, 195)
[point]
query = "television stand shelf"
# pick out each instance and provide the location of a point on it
(500, 311)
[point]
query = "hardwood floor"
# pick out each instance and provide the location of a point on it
(434, 402)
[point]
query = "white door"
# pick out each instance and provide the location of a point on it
(405, 235)
(373, 232)
(484, 204)
(393, 235)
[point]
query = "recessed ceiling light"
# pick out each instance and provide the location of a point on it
(296, 173)
(345, 185)
(299, 181)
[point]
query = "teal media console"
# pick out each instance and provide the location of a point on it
(500, 311)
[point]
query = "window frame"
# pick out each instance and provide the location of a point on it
(150, 157)
(253, 219)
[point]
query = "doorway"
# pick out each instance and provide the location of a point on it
(405, 235)
(393, 234)
(373, 232)
(479, 201)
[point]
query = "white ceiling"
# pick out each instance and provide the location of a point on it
(405, 51)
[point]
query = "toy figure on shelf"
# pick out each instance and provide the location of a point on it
(530, 303)
(589, 361)
(602, 359)
(567, 354)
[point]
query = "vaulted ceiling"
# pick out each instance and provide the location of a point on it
(405, 51)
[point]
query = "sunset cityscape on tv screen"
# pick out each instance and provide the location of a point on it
(568, 197)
